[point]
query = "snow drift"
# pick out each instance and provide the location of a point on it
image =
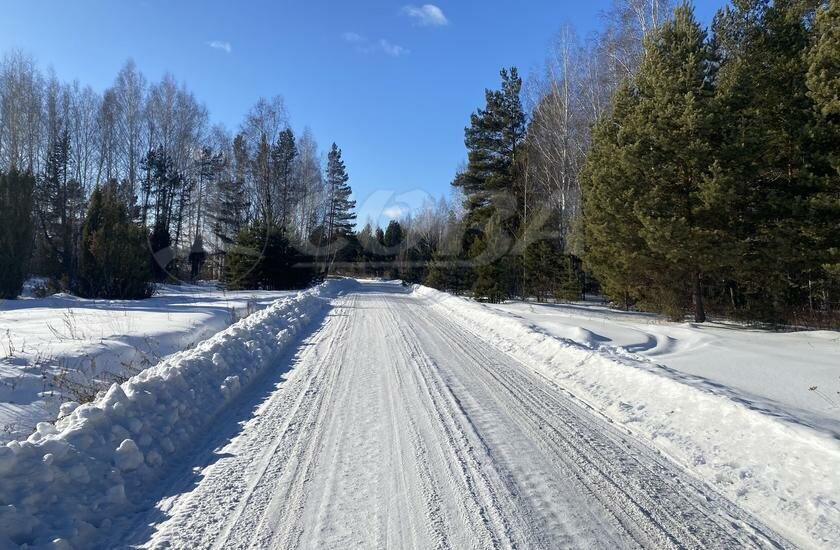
(785, 473)
(71, 478)
(60, 347)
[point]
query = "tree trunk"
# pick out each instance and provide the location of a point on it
(697, 298)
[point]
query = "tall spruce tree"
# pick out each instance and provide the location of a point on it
(335, 238)
(114, 260)
(16, 231)
(283, 156)
(772, 154)
(824, 89)
(340, 215)
(662, 154)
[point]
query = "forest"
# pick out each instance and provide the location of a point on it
(659, 164)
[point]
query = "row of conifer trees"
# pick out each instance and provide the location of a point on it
(715, 180)
(712, 182)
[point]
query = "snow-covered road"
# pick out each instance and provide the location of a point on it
(400, 427)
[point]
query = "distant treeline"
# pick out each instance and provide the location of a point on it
(103, 194)
(663, 165)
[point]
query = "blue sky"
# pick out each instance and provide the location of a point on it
(392, 83)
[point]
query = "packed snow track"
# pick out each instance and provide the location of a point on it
(397, 427)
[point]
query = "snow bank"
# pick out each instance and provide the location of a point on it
(53, 349)
(69, 479)
(783, 472)
(789, 375)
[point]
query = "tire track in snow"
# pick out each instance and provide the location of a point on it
(207, 517)
(401, 427)
(434, 518)
(481, 496)
(656, 502)
(512, 502)
(477, 496)
(283, 490)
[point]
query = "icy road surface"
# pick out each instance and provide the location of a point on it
(398, 427)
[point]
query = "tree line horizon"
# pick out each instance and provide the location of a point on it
(663, 165)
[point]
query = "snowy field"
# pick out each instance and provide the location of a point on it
(732, 404)
(794, 376)
(368, 414)
(62, 348)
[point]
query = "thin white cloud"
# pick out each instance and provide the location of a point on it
(353, 38)
(394, 50)
(363, 45)
(427, 15)
(220, 45)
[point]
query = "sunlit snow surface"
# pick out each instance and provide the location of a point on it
(374, 414)
(732, 404)
(791, 375)
(51, 348)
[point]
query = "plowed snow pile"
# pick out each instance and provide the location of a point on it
(62, 348)
(68, 479)
(784, 471)
(790, 375)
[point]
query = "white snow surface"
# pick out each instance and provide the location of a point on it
(370, 415)
(698, 394)
(772, 372)
(69, 479)
(401, 426)
(51, 346)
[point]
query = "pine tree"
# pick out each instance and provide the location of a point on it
(340, 215)
(283, 156)
(393, 239)
(114, 260)
(662, 163)
(16, 231)
(490, 183)
(548, 271)
(673, 121)
(771, 157)
(265, 258)
(449, 266)
(493, 139)
(60, 207)
(614, 245)
(489, 272)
